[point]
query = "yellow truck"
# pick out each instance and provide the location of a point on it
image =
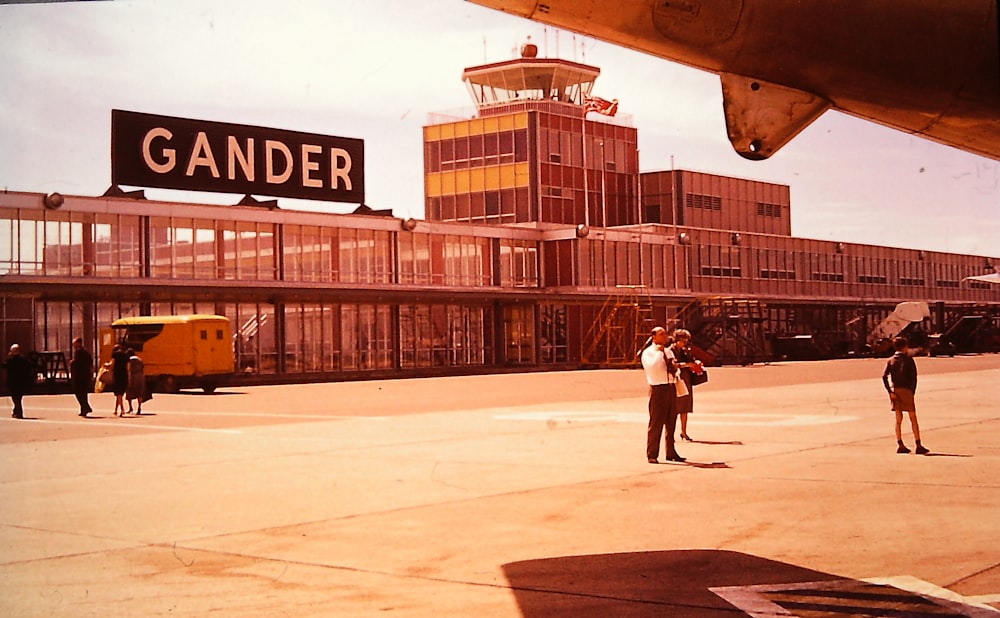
(178, 351)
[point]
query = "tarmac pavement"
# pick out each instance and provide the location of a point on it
(510, 495)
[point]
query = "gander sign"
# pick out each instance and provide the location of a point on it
(197, 155)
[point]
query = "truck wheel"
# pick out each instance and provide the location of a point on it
(208, 388)
(169, 384)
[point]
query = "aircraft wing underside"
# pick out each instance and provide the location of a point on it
(924, 67)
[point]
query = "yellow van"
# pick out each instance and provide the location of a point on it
(178, 351)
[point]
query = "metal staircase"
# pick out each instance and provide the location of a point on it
(622, 325)
(725, 330)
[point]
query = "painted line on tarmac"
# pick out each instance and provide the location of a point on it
(46, 421)
(903, 596)
(922, 587)
(276, 415)
(162, 412)
(703, 418)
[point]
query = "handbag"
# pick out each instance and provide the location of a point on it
(104, 378)
(699, 378)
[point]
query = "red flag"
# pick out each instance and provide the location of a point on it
(601, 106)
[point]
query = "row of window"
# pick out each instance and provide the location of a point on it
(332, 337)
(476, 150)
(775, 264)
(73, 244)
(179, 248)
(503, 206)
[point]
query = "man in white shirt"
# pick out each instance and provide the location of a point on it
(660, 365)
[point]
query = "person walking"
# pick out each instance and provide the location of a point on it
(81, 371)
(20, 378)
(660, 367)
(119, 373)
(688, 365)
(136, 388)
(900, 380)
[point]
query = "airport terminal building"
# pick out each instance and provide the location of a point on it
(543, 247)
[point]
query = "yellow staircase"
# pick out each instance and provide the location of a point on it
(621, 327)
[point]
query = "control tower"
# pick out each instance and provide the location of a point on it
(494, 87)
(540, 149)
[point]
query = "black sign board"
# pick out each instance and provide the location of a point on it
(197, 155)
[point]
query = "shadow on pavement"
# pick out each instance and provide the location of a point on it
(707, 584)
(657, 583)
(697, 584)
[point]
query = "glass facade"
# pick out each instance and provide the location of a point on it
(545, 166)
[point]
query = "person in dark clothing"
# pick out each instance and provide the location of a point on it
(81, 371)
(900, 380)
(20, 378)
(119, 373)
(688, 365)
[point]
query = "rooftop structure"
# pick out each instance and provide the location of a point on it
(529, 78)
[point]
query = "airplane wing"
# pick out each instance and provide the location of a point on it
(987, 278)
(925, 67)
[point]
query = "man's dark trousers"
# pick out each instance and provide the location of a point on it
(662, 413)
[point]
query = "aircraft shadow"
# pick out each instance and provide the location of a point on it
(641, 584)
(697, 584)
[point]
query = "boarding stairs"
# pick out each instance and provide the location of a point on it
(725, 330)
(620, 329)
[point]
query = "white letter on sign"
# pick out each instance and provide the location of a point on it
(201, 154)
(336, 172)
(245, 158)
(269, 147)
(310, 166)
(169, 153)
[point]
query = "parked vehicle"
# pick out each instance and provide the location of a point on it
(178, 351)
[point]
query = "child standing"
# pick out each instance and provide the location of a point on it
(900, 380)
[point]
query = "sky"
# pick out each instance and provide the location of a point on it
(377, 70)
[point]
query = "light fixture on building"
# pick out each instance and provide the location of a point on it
(736, 238)
(840, 247)
(409, 224)
(921, 255)
(989, 267)
(683, 239)
(54, 200)
(582, 231)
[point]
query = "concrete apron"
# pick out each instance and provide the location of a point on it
(510, 495)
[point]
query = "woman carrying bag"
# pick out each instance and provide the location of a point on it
(692, 372)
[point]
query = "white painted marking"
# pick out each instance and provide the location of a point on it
(921, 587)
(128, 423)
(751, 600)
(161, 412)
(702, 418)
